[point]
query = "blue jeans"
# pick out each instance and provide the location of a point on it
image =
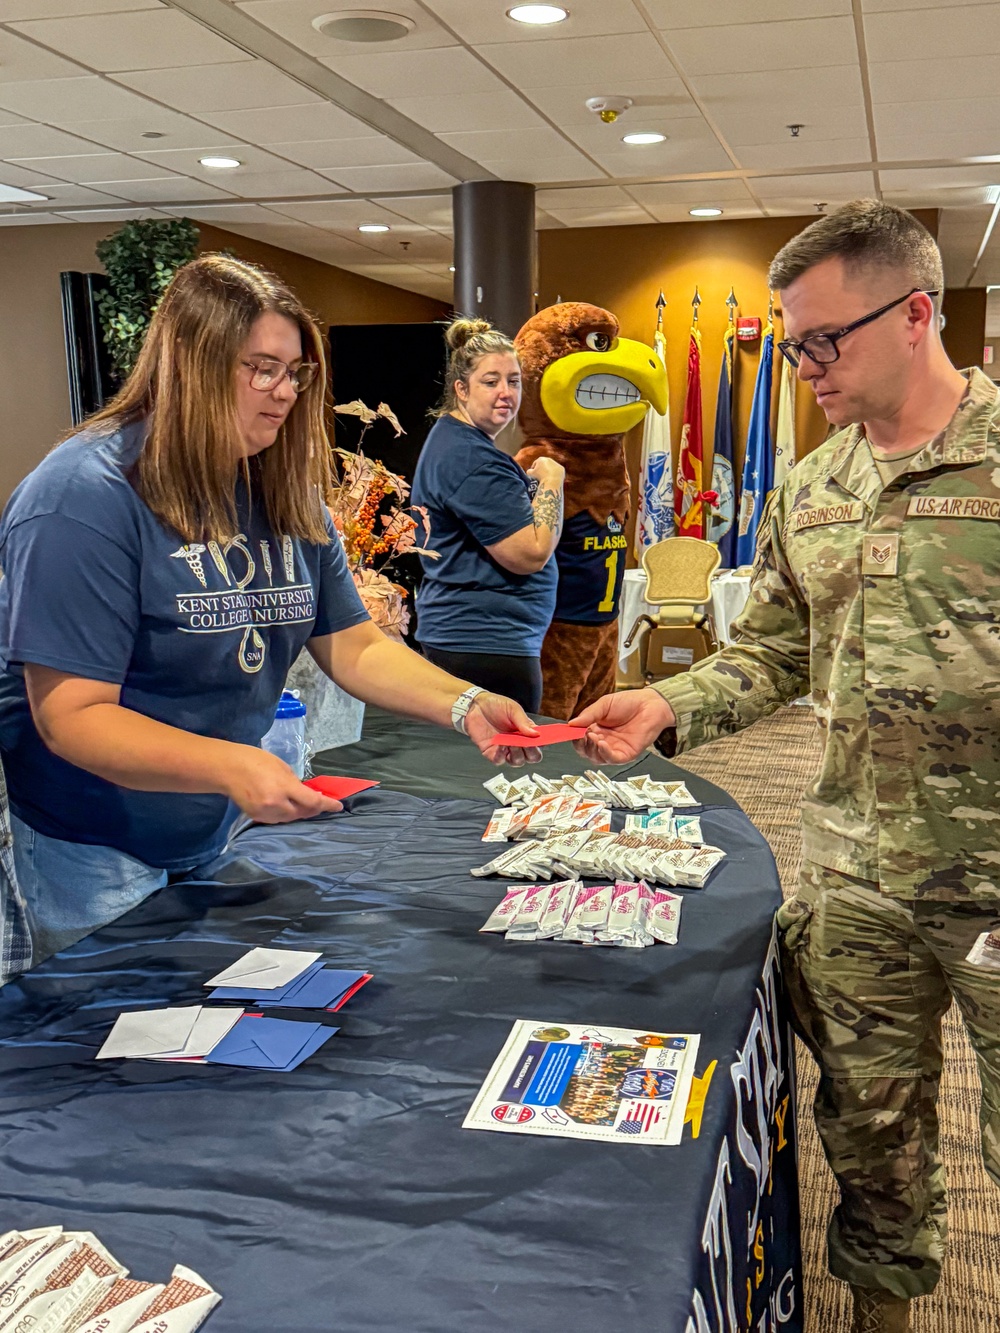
(74, 888)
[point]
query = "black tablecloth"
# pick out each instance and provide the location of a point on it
(345, 1196)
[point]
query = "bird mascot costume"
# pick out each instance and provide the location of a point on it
(584, 388)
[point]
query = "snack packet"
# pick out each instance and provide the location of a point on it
(182, 1306)
(554, 917)
(688, 828)
(500, 820)
(125, 1302)
(656, 821)
(504, 912)
(664, 919)
(618, 929)
(70, 1287)
(26, 1250)
(499, 787)
(530, 907)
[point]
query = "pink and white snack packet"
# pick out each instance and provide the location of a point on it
(504, 912)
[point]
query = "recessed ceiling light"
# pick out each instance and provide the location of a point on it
(10, 194)
(643, 137)
(220, 163)
(364, 25)
(373, 226)
(705, 212)
(539, 15)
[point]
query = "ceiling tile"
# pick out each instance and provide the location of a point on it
(951, 116)
(40, 141)
(77, 195)
(90, 168)
(24, 179)
(409, 176)
(881, 6)
(292, 19)
(828, 186)
(9, 118)
(927, 146)
(756, 108)
(478, 23)
(69, 100)
(682, 212)
(30, 219)
(602, 140)
(804, 153)
(10, 10)
(673, 14)
(186, 161)
(129, 135)
(163, 190)
(468, 111)
(939, 178)
(240, 86)
(411, 73)
(20, 60)
(747, 47)
(112, 215)
(429, 210)
(944, 197)
(377, 150)
(708, 193)
(698, 151)
(290, 124)
(934, 80)
(276, 184)
(223, 213)
(935, 34)
(567, 167)
(624, 215)
(594, 64)
(654, 99)
(155, 39)
(587, 196)
(337, 215)
(481, 144)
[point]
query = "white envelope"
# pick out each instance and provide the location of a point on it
(182, 1033)
(265, 969)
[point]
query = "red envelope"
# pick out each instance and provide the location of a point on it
(338, 788)
(548, 734)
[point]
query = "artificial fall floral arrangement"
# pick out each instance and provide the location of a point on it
(376, 525)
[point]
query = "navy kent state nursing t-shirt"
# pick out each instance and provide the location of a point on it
(198, 636)
(475, 496)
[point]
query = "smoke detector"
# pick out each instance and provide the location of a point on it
(608, 108)
(364, 25)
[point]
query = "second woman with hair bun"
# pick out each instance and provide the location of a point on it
(486, 602)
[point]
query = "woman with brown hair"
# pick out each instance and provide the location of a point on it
(487, 599)
(163, 568)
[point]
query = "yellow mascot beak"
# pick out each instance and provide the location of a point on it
(604, 393)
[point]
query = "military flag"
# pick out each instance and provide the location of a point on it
(688, 495)
(655, 519)
(784, 436)
(758, 466)
(721, 529)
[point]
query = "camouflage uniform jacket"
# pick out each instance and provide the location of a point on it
(885, 603)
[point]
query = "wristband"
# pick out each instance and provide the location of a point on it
(460, 708)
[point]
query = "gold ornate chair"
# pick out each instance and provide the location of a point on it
(679, 585)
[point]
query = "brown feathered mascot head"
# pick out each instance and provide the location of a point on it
(584, 388)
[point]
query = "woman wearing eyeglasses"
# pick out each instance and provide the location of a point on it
(163, 568)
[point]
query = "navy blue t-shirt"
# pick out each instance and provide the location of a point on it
(591, 558)
(476, 496)
(198, 636)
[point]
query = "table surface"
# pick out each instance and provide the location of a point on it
(345, 1195)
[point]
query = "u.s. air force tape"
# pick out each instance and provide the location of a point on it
(850, 511)
(954, 506)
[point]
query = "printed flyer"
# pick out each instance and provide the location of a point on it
(619, 1085)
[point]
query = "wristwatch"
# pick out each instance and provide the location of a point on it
(460, 708)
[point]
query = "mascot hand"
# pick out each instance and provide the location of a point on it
(620, 726)
(547, 472)
(491, 713)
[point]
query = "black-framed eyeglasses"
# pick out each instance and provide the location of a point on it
(268, 374)
(822, 347)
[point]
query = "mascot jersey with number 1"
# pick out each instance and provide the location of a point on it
(583, 389)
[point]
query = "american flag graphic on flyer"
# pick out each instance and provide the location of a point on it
(580, 1081)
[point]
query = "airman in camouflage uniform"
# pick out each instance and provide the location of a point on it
(877, 588)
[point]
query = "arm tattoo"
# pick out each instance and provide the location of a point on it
(548, 509)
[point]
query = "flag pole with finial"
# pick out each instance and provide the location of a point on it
(661, 301)
(695, 303)
(733, 304)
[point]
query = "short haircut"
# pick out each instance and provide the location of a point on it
(867, 235)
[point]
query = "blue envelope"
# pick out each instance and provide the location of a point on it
(260, 994)
(320, 990)
(269, 1043)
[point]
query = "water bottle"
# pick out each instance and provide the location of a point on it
(287, 737)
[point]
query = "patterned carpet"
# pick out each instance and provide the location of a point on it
(766, 769)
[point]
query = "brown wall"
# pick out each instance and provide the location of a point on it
(34, 390)
(964, 333)
(624, 269)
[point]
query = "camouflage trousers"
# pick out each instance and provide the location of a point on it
(870, 978)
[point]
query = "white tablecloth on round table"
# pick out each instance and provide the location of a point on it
(729, 594)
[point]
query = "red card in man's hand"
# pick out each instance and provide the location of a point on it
(548, 734)
(338, 788)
